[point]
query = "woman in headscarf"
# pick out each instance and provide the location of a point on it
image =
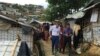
(61, 37)
(46, 31)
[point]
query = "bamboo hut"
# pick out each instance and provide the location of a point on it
(10, 29)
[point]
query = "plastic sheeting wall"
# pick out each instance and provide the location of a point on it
(93, 34)
(7, 46)
(96, 35)
(11, 34)
(87, 36)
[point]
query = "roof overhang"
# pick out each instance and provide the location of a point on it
(76, 15)
(14, 21)
(81, 14)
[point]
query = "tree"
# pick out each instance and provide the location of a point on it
(58, 9)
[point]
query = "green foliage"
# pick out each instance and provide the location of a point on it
(58, 9)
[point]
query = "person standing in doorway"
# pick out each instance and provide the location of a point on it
(55, 33)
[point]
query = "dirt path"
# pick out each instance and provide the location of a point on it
(48, 50)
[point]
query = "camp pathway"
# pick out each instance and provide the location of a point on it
(48, 50)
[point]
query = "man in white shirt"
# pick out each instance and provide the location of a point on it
(54, 33)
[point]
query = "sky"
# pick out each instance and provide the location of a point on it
(22, 2)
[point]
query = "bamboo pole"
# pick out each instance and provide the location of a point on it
(91, 6)
(15, 46)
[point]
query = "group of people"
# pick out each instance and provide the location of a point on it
(63, 35)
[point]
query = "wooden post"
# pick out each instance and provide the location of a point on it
(92, 34)
(15, 45)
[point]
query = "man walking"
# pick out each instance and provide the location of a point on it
(67, 37)
(54, 33)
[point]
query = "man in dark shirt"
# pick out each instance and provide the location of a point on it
(67, 37)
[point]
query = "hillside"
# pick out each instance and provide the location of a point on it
(16, 11)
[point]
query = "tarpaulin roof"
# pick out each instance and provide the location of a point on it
(81, 13)
(13, 21)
